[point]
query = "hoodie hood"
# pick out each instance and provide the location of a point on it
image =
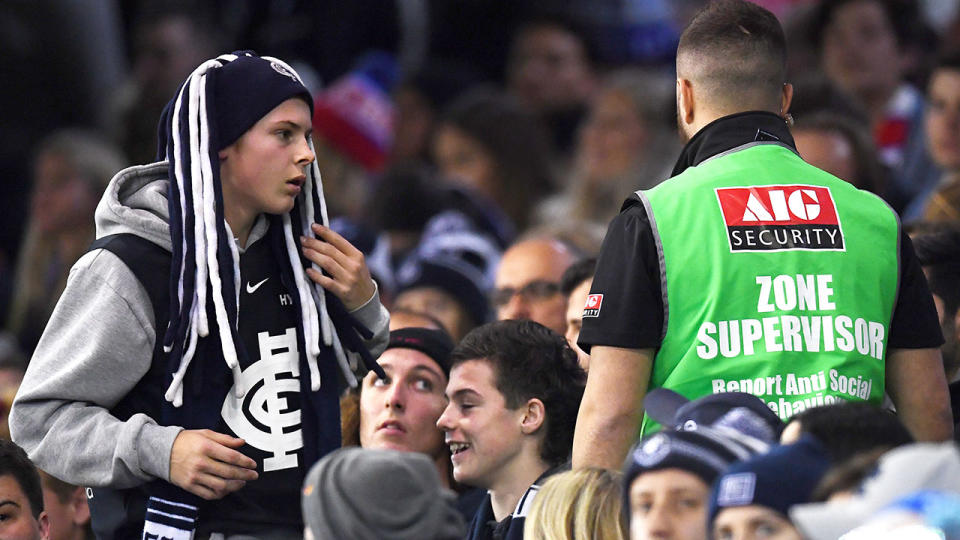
(135, 202)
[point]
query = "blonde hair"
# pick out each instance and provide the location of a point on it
(578, 504)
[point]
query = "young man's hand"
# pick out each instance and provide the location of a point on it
(206, 463)
(347, 274)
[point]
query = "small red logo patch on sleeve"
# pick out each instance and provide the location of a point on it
(592, 307)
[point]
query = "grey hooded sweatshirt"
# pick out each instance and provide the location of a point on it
(99, 343)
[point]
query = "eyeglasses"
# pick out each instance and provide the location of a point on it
(535, 290)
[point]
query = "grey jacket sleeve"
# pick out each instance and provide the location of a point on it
(376, 318)
(96, 347)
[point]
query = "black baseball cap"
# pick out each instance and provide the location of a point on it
(436, 344)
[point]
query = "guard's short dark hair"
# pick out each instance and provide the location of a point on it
(850, 428)
(531, 361)
(576, 274)
(14, 462)
(735, 49)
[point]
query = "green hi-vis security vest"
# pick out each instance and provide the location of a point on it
(778, 279)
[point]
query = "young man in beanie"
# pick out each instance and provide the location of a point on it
(752, 498)
(449, 276)
(514, 390)
(750, 270)
(667, 479)
(189, 374)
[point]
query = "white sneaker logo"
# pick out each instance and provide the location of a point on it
(253, 288)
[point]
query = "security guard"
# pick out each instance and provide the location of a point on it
(750, 270)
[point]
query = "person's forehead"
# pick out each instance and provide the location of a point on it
(476, 375)
(423, 294)
(399, 359)
(411, 319)
(293, 109)
(744, 515)
(665, 481)
(532, 260)
(857, 11)
(945, 82)
(11, 490)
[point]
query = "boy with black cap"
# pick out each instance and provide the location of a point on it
(400, 411)
(187, 414)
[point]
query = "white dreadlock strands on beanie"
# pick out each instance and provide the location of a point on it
(201, 240)
(308, 312)
(175, 392)
(317, 183)
(200, 184)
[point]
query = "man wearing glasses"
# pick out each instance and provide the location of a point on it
(527, 285)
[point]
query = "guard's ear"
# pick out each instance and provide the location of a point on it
(786, 98)
(685, 105)
(534, 415)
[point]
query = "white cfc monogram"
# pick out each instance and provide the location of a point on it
(262, 417)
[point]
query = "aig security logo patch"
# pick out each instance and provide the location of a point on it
(780, 218)
(592, 307)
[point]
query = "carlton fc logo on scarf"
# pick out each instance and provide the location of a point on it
(263, 416)
(780, 218)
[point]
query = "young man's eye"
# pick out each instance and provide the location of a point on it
(766, 530)
(690, 504)
(285, 134)
(643, 508)
(423, 384)
(724, 534)
(377, 382)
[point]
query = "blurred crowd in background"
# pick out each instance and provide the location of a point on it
(448, 131)
(496, 119)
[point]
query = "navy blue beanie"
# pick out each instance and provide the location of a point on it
(692, 451)
(248, 88)
(779, 479)
(451, 276)
(705, 455)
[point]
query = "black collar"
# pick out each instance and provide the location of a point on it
(731, 131)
